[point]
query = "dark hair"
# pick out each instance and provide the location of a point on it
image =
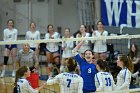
(99, 22)
(49, 26)
(103, 65)
(33, 23)
(126, 61)
(12, 21)
(67, 29)
(133, 54)
(88, 50)
(20, 73)
(71, 64)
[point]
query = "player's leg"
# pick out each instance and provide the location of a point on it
(14, 53)
(6, 57)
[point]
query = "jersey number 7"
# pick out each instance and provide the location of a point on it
(69, 82)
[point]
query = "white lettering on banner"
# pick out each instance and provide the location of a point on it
(130, 13)
(116, 9)
(115, 6)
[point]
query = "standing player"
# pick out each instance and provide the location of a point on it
(67, 47)
(68, 81)
(100, 46)
(51, 47)
(103, 79)
(87, 68)
(85, 46)
(10, 34)
(124, 76)
(22, 84)
(33, 34)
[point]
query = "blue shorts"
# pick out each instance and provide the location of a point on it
(12, 46)
(32, 48)
(51, 52)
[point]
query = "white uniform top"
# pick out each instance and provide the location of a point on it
(104, 82)
(85, 46)
(68, 50)
(10, 35)
(69, 82)
(32, 36)
(123, 79)
(100, 45)
(23, 86)
(52, 46)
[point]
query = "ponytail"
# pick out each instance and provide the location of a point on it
(130, 64)
(20, 73)
(127, 62)
(17, 77)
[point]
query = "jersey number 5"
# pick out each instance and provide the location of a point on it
(69, 82)
(108, 81)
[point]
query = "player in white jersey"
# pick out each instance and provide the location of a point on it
(69, 81)
(33, 34)
(67, 47)
(100, 46)
(51, 47)
(124, 76)
(85, 46)
(10, 34)
(103, 79)
(21, 83)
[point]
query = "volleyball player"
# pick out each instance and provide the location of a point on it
(51, 47)
(85, 46)
(87, 68)
(103, 79)
(124, 76)
(67, 47)
(33, 34)
(100, 46)
(22, 84)
(10, 34)
(69, 81)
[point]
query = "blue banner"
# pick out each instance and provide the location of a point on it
(117, 12)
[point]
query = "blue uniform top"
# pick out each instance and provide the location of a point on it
(88, 72)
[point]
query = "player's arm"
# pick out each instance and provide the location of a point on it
(35, 58)
(4, 35)
(53, 80)
(86, 42)
(76, 54)
(80, 86)
(28, 88)
(127, 81)
(113, 83)
(16, 34)
(105, 33)
(70, 44)
(98, 78)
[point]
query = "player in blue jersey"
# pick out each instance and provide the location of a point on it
(87, 68)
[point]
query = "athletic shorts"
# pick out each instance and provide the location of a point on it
(51, 52)
(12, 46)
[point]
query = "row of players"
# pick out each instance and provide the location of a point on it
(11, 33)
(92, 78)
(12, 48)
